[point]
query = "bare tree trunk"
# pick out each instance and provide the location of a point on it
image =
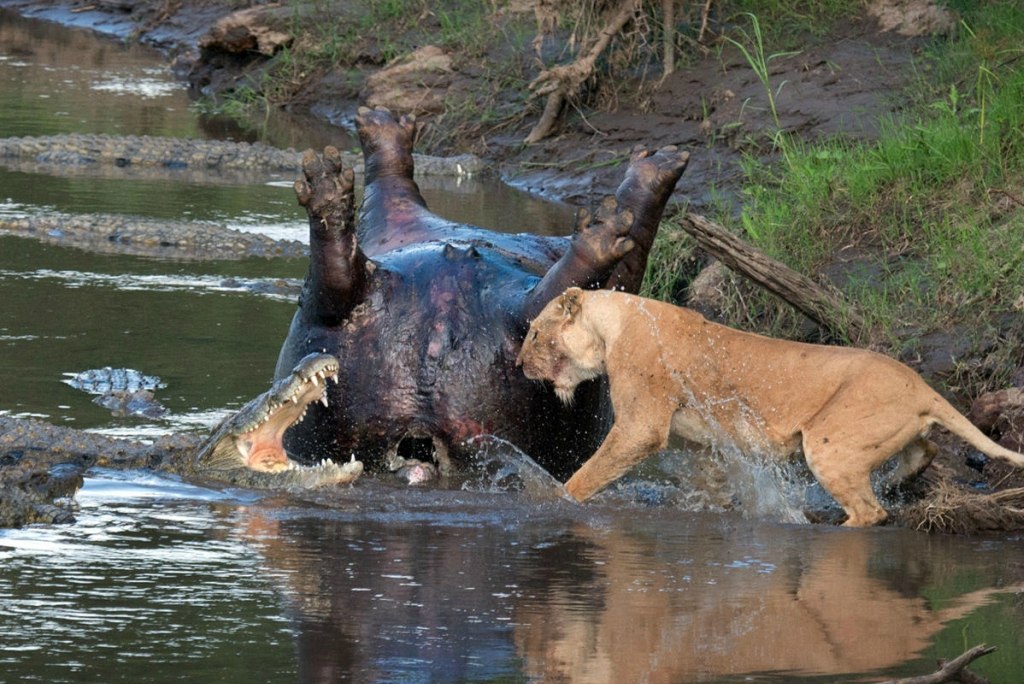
(704, 21)
(562, 82)
(816, 302)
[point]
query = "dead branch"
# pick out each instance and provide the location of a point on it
(704, 21)
(825, 307)
(668, 19)
(952, 670)
(564, 81)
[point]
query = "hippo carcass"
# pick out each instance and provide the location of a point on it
(426, 316)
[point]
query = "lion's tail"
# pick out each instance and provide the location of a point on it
(944, 414)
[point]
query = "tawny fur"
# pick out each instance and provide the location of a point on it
(672, 372)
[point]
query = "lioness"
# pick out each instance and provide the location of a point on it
(672, 371)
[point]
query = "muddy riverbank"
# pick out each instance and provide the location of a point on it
(716, 106)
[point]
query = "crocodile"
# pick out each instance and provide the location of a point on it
(144, 151)
(43, 465)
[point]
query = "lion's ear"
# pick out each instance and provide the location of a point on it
(570, 302)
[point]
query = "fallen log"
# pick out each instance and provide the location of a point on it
(827, 308)
(951, 671)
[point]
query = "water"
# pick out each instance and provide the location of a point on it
(161, 581)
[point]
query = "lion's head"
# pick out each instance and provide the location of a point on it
(561, 347)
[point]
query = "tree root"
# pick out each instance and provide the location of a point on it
(564, 81)
(952, 509)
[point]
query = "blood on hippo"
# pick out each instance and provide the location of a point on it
(426, 316)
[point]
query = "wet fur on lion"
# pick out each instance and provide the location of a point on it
(672, 372)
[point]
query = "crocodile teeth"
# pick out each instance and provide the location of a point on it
(323, 399)
(315, 379)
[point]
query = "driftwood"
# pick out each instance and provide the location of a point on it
(564, 81)
(951, 671)
(825, 307)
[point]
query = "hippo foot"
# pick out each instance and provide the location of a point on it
(658, 172)
(387, 142)
(602, 239)
(326, 192)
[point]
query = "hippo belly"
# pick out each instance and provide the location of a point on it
(427, 363)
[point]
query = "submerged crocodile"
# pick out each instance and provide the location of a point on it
(145, 151)
(42, 465)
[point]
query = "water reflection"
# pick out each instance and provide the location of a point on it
(160, 581)
(66, 80)
(149, 585)
(624, 597)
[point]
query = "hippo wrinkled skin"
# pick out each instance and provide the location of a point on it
(426, 316)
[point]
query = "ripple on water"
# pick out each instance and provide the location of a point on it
(151, 573)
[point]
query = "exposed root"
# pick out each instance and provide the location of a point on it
(952, 509)
(564, 81)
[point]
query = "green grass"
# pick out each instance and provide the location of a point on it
(935, 201)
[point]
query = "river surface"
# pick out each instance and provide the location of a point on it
(162, 581)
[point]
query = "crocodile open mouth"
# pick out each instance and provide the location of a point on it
(260, 441)
(254, 437)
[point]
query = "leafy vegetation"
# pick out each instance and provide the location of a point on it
(932, 208)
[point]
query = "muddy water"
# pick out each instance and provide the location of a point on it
(160, 581)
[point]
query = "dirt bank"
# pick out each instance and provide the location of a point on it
(716, 107)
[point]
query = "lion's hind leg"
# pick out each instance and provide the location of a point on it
(849, 483)
(914, 458)
(848, 438)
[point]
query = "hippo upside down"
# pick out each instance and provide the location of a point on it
(426, 316)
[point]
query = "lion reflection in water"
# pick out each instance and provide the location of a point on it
(573, 602)
(818, 613)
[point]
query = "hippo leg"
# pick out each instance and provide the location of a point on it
(393, 213)
(645, 191)
(338, 269)
(599, 243)
(612, 251)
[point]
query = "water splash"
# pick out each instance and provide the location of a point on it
(497, 465)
